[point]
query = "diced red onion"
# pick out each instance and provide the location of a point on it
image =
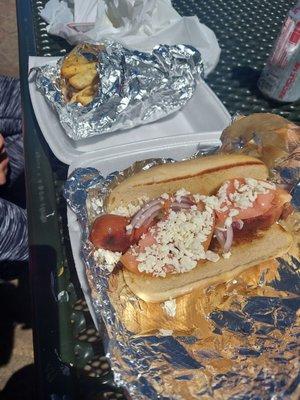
(150, 210)
(148, 214)
(185, 199)
(224, 237)
(178, 206)
(220, 235)
(151, 218)
(143, 210)
(229, 239)
(238, 224)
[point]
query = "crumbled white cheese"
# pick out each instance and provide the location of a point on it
(228, 222)
(243, 197)
(165, 196)
(169, 307)
(227, 255)
(233, 213)
(211, 256)
(131, 208)
(107, 258)
(129, 227)
(246, 194)
(181, 193)
(198, 197)
(211, 201)
(236, 184)
(165, 332)
(268, 185)
(223, 209)
(178, 242)
(96, 204)
(222, 194)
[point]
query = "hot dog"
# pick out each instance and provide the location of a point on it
(199, 222)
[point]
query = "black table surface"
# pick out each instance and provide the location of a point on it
(69, 356)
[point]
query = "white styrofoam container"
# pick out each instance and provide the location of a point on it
(178, 136)
(119, 158)
(203, 113)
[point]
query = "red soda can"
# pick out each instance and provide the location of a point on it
(280, 79)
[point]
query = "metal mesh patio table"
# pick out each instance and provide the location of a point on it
(69, 355)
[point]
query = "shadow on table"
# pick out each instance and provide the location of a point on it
(247, 77)
(20, 385)
(15, 308)
(15, 305)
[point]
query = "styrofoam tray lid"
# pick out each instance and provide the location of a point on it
(203, 113)
(178, 147)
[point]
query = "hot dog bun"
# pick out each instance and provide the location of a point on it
(142, 318)
(268, 244)
(201, 175)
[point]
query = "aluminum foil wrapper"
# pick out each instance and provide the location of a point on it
(269, 137)
(135, 87)
(247, 340)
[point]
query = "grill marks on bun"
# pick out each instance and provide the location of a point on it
(202, 175)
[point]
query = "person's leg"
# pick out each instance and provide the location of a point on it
(10, 106)
(13, 224)
(10, 128)
(14, 189)
(14, 149)
(13, 232)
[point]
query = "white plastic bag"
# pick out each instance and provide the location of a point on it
(136, 24)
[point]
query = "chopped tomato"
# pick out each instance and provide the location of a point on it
(166, 206)
(279, 209)
(147, 241)
(139, 232)
(260, 206)
(129, 259)
(266, 210)
(200, 206)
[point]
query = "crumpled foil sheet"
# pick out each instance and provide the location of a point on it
(247, 346)
(275, 142)
(135, 88)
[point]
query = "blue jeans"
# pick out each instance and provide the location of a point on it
(13, 219)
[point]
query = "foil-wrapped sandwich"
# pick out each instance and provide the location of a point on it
(98, 89)
(194, 268)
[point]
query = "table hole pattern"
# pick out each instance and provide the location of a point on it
(97, 366)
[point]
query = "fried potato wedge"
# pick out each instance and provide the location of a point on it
(79, 79)
(71, 70)
(84, 96)
(85, 100)
(83, 79)
(75, 59)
